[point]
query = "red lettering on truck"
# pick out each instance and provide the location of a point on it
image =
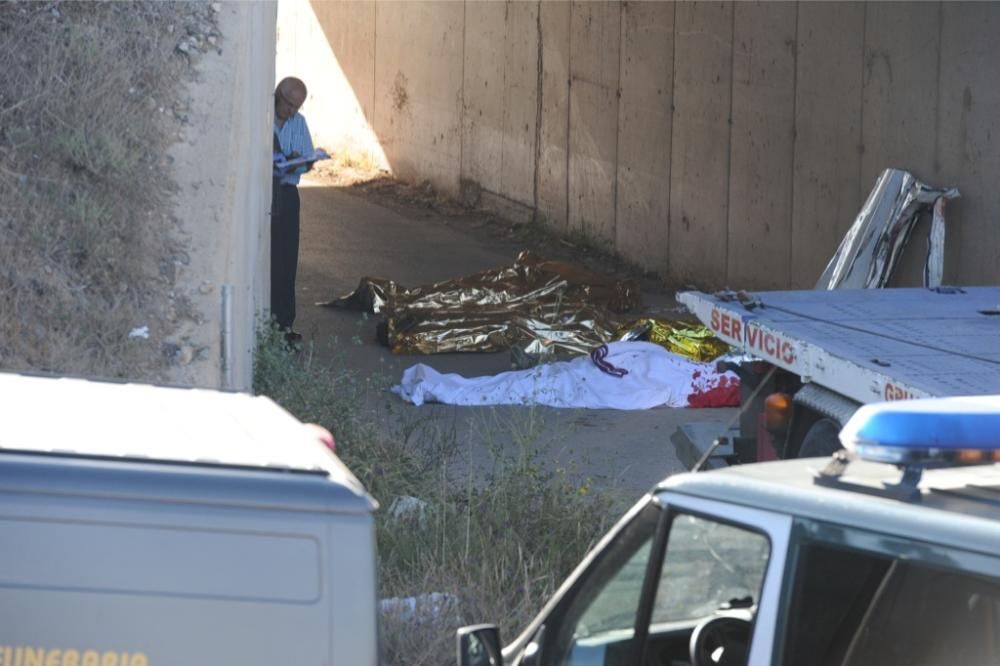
(893, 392)
(769, 345)
(726, 325)
(765, 344)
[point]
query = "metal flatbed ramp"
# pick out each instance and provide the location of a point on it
(868, 344)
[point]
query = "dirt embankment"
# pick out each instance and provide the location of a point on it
(91, 98)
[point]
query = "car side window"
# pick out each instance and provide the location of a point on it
(851, 608)
(708, 566)
(707, 593)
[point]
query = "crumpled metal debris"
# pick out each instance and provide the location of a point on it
(542, 306)
(868, 254)
(934, 266)
(691, 340)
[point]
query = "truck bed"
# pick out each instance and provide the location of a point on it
(868, 344)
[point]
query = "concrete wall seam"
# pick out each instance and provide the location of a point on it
(729, 154)
(538, 108)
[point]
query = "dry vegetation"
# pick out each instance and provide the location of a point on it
(85, 254)
(496, 547)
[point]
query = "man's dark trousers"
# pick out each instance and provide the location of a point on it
(284, 252)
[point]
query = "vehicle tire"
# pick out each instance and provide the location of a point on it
(822, 439)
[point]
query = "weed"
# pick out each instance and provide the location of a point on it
(313, 392)
(359, 160)
(495, 541)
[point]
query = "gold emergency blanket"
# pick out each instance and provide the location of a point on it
(694, 341)
(544, 306)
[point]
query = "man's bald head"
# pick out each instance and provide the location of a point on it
(288, 97)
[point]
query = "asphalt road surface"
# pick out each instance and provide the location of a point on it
(347, 234)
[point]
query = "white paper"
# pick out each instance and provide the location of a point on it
(281, 163)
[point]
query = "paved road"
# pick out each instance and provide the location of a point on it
(346, 236)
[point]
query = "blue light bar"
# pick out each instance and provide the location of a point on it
(932, 432)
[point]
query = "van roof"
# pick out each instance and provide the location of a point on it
(138, 423)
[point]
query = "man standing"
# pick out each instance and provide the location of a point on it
(291, 138)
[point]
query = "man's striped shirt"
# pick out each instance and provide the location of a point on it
(294, 137)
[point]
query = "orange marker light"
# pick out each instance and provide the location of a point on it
(777, 411)
(970, 456)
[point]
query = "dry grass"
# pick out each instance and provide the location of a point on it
(497, 543)
(84, 186)
(500, 545)
(345, 169)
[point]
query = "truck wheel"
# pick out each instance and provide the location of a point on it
(822, 439)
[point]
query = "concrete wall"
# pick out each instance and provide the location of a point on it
(222, 169)
(338, 65)
(714, 143)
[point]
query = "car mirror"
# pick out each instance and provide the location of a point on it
(479, 645)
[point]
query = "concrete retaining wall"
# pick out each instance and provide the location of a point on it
(714, 143)
(222, 169)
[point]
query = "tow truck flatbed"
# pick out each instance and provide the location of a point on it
(867, 344)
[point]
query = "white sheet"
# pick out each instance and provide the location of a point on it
(655, 377)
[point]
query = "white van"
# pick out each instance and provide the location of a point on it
(152, 526)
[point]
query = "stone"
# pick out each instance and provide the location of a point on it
(185, 354)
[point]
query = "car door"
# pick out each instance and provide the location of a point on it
(858, 597)
(680, 563)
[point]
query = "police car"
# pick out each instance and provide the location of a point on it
(887, 553)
